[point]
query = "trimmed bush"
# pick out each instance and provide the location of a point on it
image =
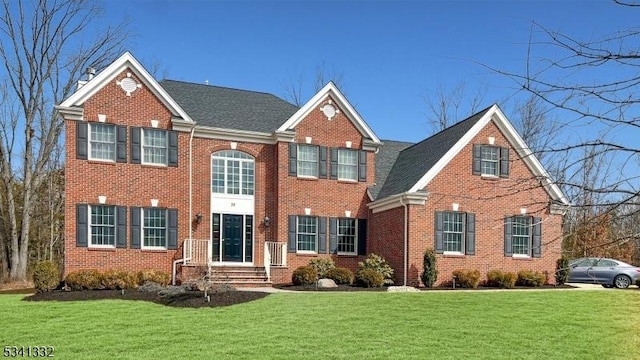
(304, 275)
(378, 264)
(84, 280)
(500, 279)
(322, 266)
(467, 278)
(562, 270)
(46, 276)
(119, 279)
(369, 278)
(340, 276)
(530, 278)
(157, 276)
(429, 269)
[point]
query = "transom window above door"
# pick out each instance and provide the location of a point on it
(232, 172)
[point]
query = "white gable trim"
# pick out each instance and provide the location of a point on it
(330, 90)
(501, 121)
(394, 201)
(110, 72)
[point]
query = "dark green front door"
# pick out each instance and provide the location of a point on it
(232, 238)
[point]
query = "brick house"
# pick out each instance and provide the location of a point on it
(179, 176)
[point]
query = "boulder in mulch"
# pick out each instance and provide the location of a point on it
(326, 283)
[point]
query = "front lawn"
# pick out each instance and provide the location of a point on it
(434, 325)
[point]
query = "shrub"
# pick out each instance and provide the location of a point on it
(84, 280)
(157, 276)
(340, 275)
(562, 270)
(530, 278)
(378, 264)
(304, 275)
(369, 278)
(497, 278)
(119, 279)
(46, 276)
(429, 269)
(467, 278)
(322, 266)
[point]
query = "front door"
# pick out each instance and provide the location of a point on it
(232, 238)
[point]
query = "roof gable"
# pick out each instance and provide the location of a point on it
(331, 90)
(126, 61)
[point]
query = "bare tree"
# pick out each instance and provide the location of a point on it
(298, 90)
(44, 46)
(447, 106)
(532, 120)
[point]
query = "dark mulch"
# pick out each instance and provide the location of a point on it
(192, 299)
(339, 288)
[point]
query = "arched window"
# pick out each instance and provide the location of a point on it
(232, 172)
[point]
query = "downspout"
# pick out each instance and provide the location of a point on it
(406, 264)
(185, 258)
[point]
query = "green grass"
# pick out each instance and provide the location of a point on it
(365, 325)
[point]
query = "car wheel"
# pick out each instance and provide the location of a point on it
(622, 281)
(608, 286)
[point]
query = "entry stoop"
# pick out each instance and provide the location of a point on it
(240, 276)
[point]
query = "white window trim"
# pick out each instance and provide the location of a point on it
(225, 173)
(463, 238)
(355, 239)
(115, 229)
(166, 231)
(356, 166)
(497, 161)
(298, 251)
(317, 162)
(115, 143)
(142, 145)
(530, 240)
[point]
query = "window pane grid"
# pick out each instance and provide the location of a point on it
(103, 225)
(307, 233)
(347, 236)
(520, 236)
(347, 165)
(217, 176)
(489, 163)
(232, 172)
(247, 178)
(307, 160)
(155, 229)
(233, 177)
(452, 231)
(103, 141)
(155, 146)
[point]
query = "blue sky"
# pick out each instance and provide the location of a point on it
(390, 54)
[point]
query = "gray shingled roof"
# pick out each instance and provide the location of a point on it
(230, 108)
(385, 158)
(413, 162)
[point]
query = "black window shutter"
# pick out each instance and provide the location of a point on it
(135, 145)
(135, 227)
(322, 235)
(537, 237)
(504, 162)
(121, 228)
(82, 140)
(333, 235)
(477, 159)
(362, 237)
(334, 163)
(293, 160)
(121, 144)
(172, 233)
(82, 225)
(508, 230)
(470, 236)
(292, 243)
(439, 230)
(362, 165)
(322, 164)
(173, 149)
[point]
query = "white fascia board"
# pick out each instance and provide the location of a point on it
(350, 111)
(110, 72)
(70, 113)
(207, 132)
(394, 201)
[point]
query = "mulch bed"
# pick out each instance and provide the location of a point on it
(384, 288)
(191, 299)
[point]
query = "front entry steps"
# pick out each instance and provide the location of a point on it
(238, 276)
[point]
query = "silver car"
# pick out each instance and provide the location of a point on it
(607, 272)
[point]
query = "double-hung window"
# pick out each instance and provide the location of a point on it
(490, 160)
(307, 160)
(232, 172)
(455, 233)
(522, 236)
(154, 228)
(347, 236)
(154, 146)
(347, 164)
(521, 243)
(102, 224)
(102, 142)
(307, 234)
